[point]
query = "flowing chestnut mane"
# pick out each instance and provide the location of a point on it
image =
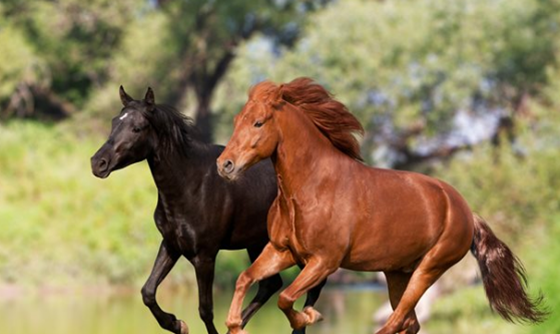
(330, 116)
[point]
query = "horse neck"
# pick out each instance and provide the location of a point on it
(301, 150)
(178, 170)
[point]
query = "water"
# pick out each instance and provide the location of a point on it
(344, 310)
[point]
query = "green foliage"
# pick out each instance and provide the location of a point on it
(61, 225)
(466, 312)
(394, 63)
(519, 198)
(401, 65)
(510, 192)
(136, 66)
(229, 265)
(18, 63)
(546, 274)
(74, 39)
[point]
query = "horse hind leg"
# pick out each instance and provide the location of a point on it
(421, 280)
(396, 284)
(442, 256)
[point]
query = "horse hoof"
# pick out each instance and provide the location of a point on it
(237, 331)
(313, 314)
(184, 327)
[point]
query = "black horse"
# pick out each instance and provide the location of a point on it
(198, 213)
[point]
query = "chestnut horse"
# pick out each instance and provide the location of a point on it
(334, 211)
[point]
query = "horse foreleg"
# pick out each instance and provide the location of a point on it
(204, 269)
(312, 297)
(270, 262)
(164, 262)
(267, 287)
(314, 273)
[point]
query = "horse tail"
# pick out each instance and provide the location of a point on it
(504, 278)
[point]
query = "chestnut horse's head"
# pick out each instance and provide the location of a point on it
(256, 132)
(255, 135)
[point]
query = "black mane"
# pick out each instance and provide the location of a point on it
(174, 129)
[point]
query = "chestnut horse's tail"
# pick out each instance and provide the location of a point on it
(503, 276)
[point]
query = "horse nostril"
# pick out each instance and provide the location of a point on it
(102, 164)
(228, 166)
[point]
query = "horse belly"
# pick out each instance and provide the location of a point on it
(394, 240)
(384, 258)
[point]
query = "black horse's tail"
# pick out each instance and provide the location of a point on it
(504, 277)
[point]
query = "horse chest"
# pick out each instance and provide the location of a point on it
(284, 216)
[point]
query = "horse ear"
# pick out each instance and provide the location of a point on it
(280, 94)
(278, 99)
(149, 98)
(125, 98)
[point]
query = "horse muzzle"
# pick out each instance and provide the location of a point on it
(100, 166)
(227, 170)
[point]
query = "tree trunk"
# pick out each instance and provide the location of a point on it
(50, 105)
(204, 85)
(203, 119)
(30, 101)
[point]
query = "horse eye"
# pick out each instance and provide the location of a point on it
(136, 129)
(258, 124)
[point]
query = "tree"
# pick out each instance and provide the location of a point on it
(421, 74)
(186, 46)
(68, 44)
(206, 35)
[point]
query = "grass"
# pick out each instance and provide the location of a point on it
(60, 224)
(466, 311)
(545, 275)
(63, 226)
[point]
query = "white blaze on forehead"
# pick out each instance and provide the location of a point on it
(123, 116)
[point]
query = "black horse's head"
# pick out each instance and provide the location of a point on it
(132, 137)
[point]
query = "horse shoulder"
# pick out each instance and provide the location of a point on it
(159, 216)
